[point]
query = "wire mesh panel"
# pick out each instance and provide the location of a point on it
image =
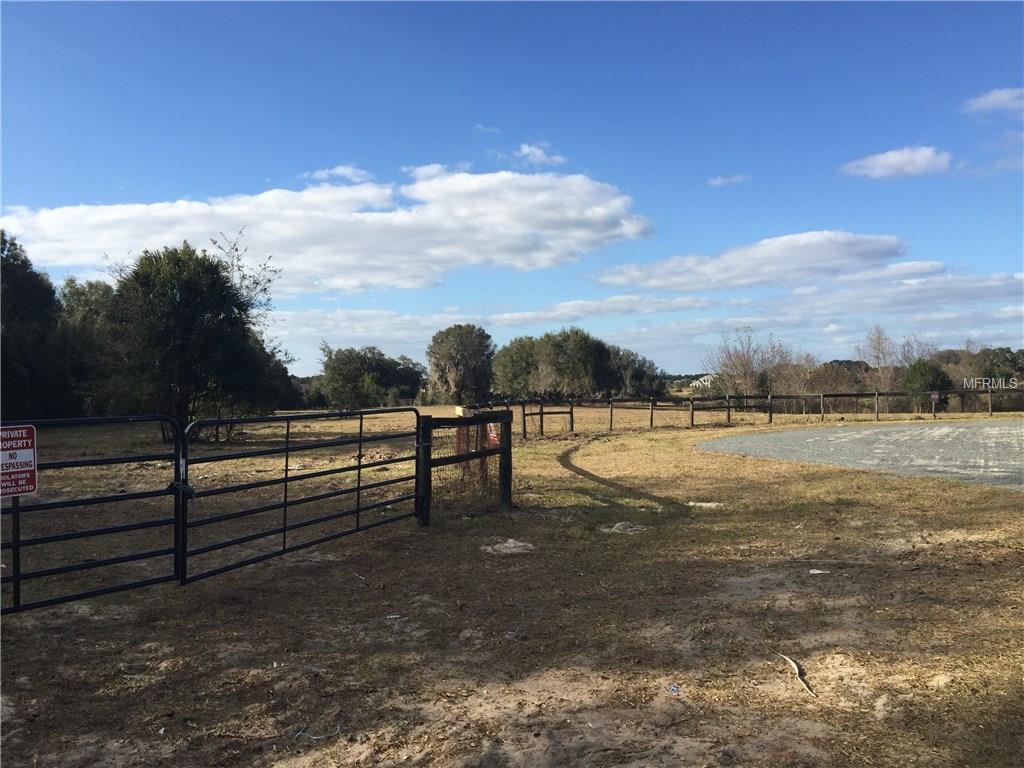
(470, 461)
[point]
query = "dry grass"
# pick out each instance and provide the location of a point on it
(410, 646)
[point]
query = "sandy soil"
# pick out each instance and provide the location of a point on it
(405, 646)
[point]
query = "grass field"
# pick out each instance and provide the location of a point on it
(406, 646)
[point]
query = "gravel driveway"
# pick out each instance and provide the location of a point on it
(979, 452)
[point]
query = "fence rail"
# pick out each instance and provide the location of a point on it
(731, 404)
(219, 519)
(54, 544)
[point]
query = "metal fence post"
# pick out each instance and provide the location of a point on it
(505, 463)
(16, 552)
(424, 484)
(181, 500)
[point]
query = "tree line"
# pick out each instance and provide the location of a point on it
(746, 365)
(180, 331)
(466, 367)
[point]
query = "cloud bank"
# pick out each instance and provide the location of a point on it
(785, 260)
(352, 237)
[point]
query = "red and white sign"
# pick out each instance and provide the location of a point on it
(17, 460)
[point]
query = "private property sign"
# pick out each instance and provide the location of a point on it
(18, 460)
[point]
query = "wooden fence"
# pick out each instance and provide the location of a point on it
(610, 413)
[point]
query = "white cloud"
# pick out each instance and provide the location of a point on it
(997, 100)
(357, 236)
(538, 154)
(726, 181)
(347, 172)
(900, 270)
(571, 311)
(787, 260)
(901, 296)
(481, 128)
(908, 161)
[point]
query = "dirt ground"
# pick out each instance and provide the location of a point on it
(901, 598)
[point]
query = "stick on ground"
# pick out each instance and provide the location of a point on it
(799, 672)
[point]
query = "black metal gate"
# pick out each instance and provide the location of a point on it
(271, 514)
(186, 505)
(130, 524)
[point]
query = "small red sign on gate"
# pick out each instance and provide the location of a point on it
(18, 460)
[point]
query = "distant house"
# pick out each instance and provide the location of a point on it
(704, 382)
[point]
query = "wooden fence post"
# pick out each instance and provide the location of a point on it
(691, 411)
(572, 423)
(990, 401)
(611, 415)
(522, 406)
(821, 403)
(877, 418)
(505, 464)
(769, 408)
(541, 412)
(652, 414)
(728, 409)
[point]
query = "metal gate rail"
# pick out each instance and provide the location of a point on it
(14, 509)
(190, 523)
(185, 521)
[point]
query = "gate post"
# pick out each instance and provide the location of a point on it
(505, 463)
(181, 506)
(424, 485)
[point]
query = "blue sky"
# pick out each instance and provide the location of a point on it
(659, 174)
